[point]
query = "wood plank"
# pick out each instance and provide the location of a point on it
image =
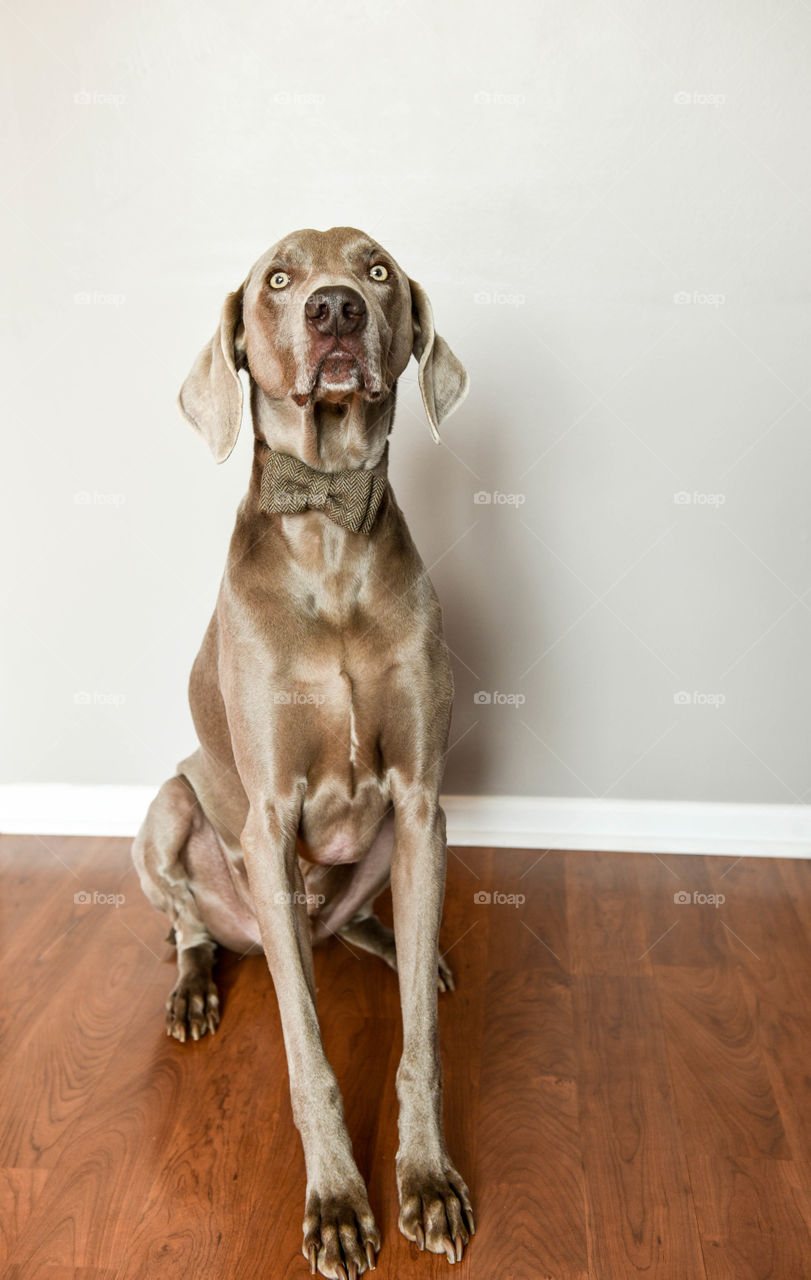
(640, 1213)
(529, 1137)
(20, 1272)
(606, 927)
(19, 1191)
(771, 946)
(46, 873)
(67, 1043)
(723, 1093)
(207, 1194)
(795, 876)
(759, 915)
(751, 1218)
(90, 1205)
(780, 1004)
(534, 933)
(688, 934)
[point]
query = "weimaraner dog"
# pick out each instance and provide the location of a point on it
(322, 698)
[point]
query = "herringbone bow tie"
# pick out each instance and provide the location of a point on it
(350, 498)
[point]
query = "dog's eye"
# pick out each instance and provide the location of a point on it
(279, 280)
(378, 272)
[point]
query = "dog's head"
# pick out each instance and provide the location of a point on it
(322, 316)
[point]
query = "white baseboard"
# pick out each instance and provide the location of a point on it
(506, 822)
(631, 826)
(61, 809)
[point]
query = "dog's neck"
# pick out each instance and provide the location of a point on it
(327, 441)
(330, 437)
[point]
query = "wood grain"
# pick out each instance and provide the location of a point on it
(720, 1082)
(751, 1218)
(627, 1087)
(640, 1212)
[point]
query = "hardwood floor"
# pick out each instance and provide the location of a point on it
(627, 1087)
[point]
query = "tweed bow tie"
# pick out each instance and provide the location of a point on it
(350, 498)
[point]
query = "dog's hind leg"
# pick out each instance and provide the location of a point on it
(370, 934)
(343, 898)
(193, 1005)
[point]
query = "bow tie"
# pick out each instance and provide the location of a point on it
(350, 498)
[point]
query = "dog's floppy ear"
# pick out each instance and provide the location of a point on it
(443, 380)
(211, 397)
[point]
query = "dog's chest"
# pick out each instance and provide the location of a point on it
(344, 688)
(347, 791)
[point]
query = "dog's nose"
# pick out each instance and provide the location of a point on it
(335, 311)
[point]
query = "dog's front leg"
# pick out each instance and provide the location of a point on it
(434, 1201)
(340, 1235)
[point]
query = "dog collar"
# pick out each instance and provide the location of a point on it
(349, 498)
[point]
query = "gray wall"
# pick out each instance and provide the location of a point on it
(609, 206)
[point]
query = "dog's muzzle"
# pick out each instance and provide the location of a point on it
(336, 322)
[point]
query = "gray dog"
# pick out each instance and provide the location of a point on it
(322, 698)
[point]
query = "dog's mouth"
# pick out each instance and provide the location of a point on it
(341, 373)
(338, 369)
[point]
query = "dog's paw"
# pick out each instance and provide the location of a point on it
(445, 979)
(435, 1211)
(192, 1009)
(340, 1235)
